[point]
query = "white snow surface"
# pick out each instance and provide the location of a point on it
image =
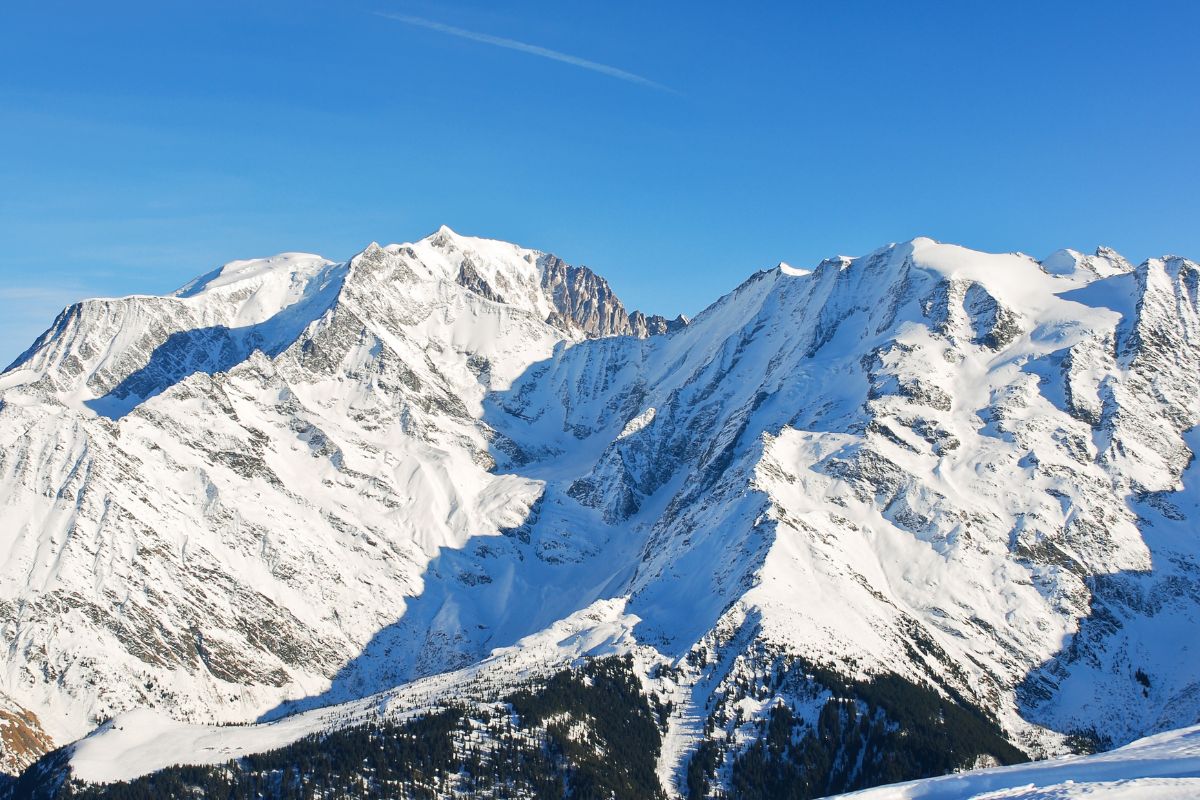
(297, 483)
(1161, 767)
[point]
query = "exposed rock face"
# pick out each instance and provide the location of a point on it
(22, 739)
(298, 479)
(583, 300)
(654, 325)
(469, 278)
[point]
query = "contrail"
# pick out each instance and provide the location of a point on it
(532, 49)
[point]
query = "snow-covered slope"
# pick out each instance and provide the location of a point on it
(212, 500)
(296, 483)
(1162, 767)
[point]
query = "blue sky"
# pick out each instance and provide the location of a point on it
(672, 147)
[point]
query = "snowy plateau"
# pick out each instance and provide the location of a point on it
(897, 516)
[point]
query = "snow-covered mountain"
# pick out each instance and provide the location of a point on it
(295, 483)
(213, 499)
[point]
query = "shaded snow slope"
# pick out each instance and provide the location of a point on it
(297, 483)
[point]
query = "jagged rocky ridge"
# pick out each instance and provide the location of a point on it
(308, 482)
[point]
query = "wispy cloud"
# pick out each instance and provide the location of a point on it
(532, 49)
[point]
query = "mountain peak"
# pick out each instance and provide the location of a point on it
(788, 269)
(1118, 261)
(239, 273)
(1066, 262)
(442, 236)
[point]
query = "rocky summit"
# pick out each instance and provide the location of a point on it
(890, 517)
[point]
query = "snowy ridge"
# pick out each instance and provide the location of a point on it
(296, 484)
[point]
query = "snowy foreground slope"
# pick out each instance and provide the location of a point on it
(835, 502)
(1164, 767)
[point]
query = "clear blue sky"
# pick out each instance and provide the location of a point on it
(674, 147)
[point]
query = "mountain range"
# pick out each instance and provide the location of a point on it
(922, 510)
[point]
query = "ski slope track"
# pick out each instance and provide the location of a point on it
(296, 488)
